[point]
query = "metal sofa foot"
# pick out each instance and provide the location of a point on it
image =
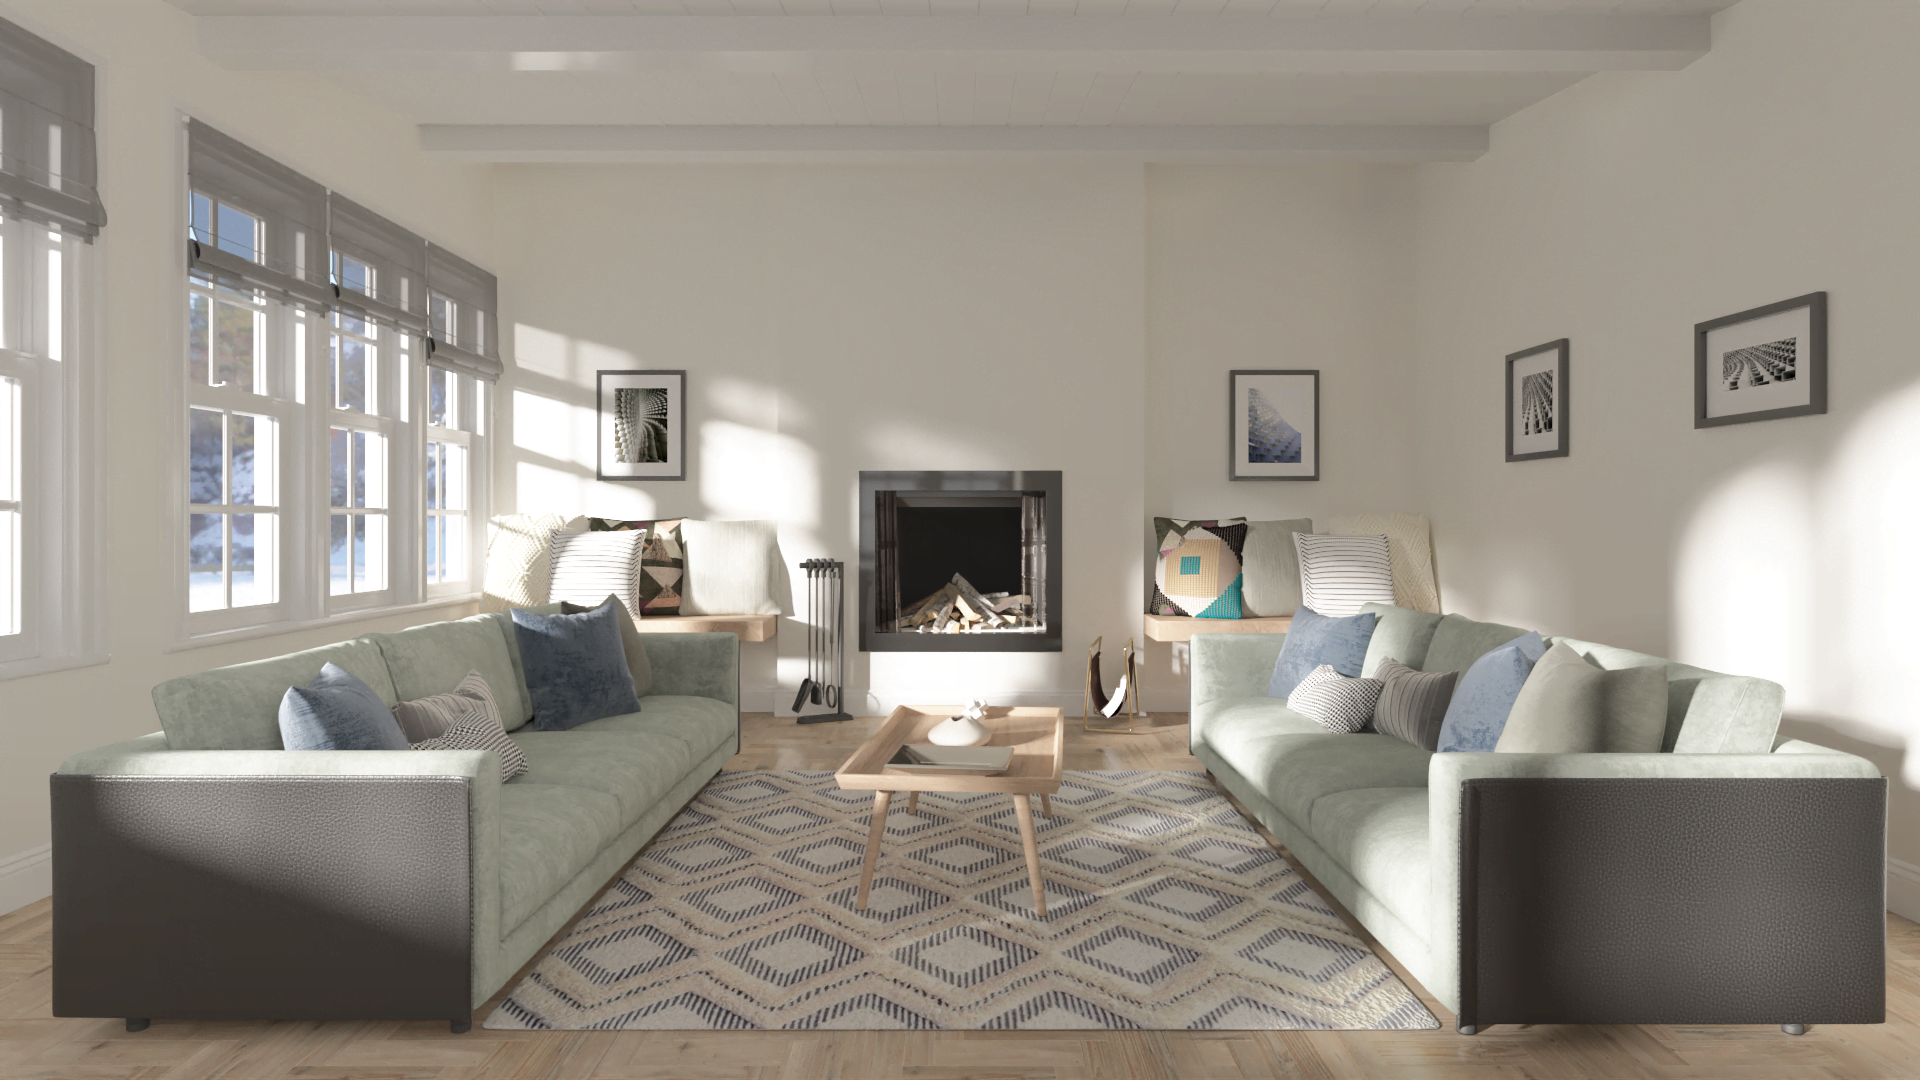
(460, 1027)
(138, 1023)
(1467, 1029)
(1794, 1029)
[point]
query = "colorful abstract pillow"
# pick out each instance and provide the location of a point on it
(663, 562)
(1197, 572)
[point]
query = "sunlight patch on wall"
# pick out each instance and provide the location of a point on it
(750, 473)
(540, 351)
(554, 429)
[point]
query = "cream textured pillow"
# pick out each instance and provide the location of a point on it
(517, 562)
(730, 567)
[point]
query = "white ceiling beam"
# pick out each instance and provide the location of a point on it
(825, 144)
(801, 43)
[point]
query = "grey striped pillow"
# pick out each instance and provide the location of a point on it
(1412, 703)
(1341, 574)
(478, 731)
(590, 566)
(1334, 701)
(427, 717)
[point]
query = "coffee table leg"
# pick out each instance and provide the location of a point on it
(880, 800)
(913, 802)
(1046, 806)
(1023, 812)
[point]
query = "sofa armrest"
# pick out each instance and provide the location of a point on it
(696, 665)
(1231, 666)
(1657, 888)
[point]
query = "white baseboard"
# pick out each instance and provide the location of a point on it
(26, 877)
(1903, 888)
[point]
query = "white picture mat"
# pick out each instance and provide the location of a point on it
(1796, 324)
(675, 386)
(1544, 360)
(1293, 396)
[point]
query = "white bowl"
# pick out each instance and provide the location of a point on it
(959, 731)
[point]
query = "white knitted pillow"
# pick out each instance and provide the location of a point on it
(1341, 574)
(517, 563)
(1335, 702)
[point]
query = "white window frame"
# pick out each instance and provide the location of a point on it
(471, 399)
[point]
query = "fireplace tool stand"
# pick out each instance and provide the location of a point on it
(826, 642)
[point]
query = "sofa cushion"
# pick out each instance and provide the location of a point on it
(505, 621)
(1295, 762)
(1380, 836)
(575, 665)
(632, 642)
(1413, 704)
(432, 659)
(634, 767)
(1315, 639)
(1270, 567)
(1459, 641)
(337, 712)
(238, 707)
(1707, 712)
(1401, 634)
(703, 723)
(548, 833)
(1483, 697)
(1571, 706)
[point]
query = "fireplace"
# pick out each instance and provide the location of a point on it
(960, 561)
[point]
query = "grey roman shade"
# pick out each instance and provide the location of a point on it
(287, 256)
(396, 290)
(469, 341)
(48, 169)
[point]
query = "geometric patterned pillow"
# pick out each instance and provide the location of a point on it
(1197, 569)
(478, 731)
(663, 563)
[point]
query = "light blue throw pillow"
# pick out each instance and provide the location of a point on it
(1315, 639)
(576, 666)
(338, 712)
(1484, 696)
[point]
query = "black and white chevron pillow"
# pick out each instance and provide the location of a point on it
(1341, 574)
(478, 731)
(1334, 701)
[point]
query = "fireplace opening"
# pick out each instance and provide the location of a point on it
(959, 561)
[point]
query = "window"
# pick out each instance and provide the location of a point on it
(453, 405)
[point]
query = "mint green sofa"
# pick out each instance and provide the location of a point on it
(205, 872)
(1733, 878)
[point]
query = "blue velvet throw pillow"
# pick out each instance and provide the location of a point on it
(1484, 696)
(338, 712)
(576, 666)
(1315, 639)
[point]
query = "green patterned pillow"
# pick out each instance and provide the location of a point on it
(1197, 571)
(663, 562)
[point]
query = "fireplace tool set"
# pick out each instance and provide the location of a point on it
(826, 642)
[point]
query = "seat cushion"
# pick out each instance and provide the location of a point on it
(548, 833)
(1380, 836)
(634, 767)
(703, 723)
(1295, 762)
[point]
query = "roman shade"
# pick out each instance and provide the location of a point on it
(465, 300)
(286, 255)
(48, 169)
(379, 268)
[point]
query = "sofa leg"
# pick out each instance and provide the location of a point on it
(1794, 1029)
(1467, 1029)
(137, 1023)
(460, 1027)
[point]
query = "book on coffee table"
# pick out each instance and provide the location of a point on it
(975, 760)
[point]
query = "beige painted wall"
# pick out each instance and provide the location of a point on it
(1619, 213)
(149, 72)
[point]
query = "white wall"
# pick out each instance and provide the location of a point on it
(1619, 213)
(149, 72)
(839, 319)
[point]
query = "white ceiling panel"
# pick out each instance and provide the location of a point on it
(1284, 8)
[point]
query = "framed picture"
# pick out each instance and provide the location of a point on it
(1537, 402)
(1273, 425)
(643, 425)
(1763, 364)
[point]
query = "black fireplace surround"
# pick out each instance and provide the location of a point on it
(1000, 530)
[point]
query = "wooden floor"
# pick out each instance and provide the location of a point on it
(34, 1044)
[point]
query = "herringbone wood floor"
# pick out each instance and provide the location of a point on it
(34, 1044)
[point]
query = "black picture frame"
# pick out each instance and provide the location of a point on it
(606, 385)
(1560, 404)
(1298, 385)
(1815, 354)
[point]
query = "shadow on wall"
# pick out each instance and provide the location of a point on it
(1808, 575)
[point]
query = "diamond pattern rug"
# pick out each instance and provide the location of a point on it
(1165, 910)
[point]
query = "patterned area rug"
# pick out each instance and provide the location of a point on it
(1165, 910)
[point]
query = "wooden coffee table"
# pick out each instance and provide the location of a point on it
(1036, 736)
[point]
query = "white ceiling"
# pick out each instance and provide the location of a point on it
(1389, 80)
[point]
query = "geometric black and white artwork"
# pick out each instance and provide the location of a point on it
(1762, 364)
(1273, 430)
(1537, 402)
(642, 422)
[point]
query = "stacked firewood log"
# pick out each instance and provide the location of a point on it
(959, 608)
